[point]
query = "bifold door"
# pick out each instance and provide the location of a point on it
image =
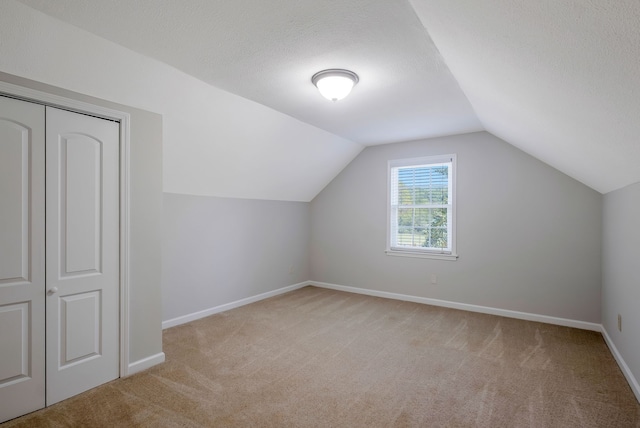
(72, 299)
(22, 276)
(82, 241)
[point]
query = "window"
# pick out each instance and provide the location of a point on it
(421, 219)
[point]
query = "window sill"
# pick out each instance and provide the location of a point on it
(422, 255)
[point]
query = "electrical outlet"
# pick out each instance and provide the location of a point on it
(619, 323)
(292, 269)
(434, 278)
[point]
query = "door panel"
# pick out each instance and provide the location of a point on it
(14, 163)
(80, 326)
(22, 270)
(82, 244)
(14, 352)
(14, 188)
(81, 204)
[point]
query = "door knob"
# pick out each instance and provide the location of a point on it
(53, 290)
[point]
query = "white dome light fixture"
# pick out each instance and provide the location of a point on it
(335, 84)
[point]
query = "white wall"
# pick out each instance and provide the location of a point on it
(220, 250)
(529, 237)
(621, 274)
(214, 143)
(514, 253)
(209, 135)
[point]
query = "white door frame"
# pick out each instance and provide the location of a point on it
(40, 97)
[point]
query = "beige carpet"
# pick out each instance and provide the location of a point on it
(322, 358)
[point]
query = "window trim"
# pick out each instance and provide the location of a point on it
(414, 252)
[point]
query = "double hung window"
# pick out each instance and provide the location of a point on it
(421, 220)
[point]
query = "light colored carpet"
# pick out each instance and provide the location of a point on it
(323, 358)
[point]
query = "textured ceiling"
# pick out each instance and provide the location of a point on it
(268, 50)
(558, 79)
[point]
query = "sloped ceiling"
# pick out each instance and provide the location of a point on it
(268, 50)
(558, 79)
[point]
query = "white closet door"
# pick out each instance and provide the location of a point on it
(22, 279)
(82, 250)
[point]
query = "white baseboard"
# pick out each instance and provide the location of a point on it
(633, 382)
(145, 363)
(631, 379)
(465, 307)
(159, 358)
(225, 307)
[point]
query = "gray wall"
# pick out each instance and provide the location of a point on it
(620, 269)
(219, 250)
(528, 236)
(146, 212)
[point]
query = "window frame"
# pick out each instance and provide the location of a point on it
(430, 253)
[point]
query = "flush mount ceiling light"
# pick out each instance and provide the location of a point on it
(335, 84)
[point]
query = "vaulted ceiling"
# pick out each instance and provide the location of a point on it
(558, 79)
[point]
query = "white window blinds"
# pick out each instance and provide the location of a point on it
(421, 211)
